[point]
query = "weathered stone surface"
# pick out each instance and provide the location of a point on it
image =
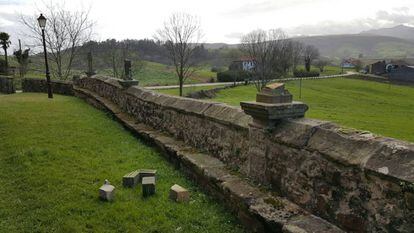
(148, 186)
(40, 85)
(131, 179)
(107, 192)
(395, 159)
(146, 173)
(295, 132)
(179, 194)
(274, 93)
(349, 147)
(128, 83)
(266, 115)
(308, 224)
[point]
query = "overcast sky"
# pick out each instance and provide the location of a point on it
(225, 20)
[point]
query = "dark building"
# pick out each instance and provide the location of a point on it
(378, 68)
(403, 74)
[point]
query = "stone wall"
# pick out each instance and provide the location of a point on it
(40, 85)
(7, 85)
(355, 180)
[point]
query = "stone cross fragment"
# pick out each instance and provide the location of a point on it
(90, 71)
(127, 68)
(274, 93)
(179, 194)
(148, 186)
(131, 179)
(146, 173)
(273, 103)
(107, 191)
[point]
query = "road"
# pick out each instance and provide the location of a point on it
(240, 83)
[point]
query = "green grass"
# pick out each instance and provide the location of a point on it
(376, 107)
(186, 90)
(156, 74)
(54, 156)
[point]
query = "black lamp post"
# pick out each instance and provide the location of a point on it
(42, 23)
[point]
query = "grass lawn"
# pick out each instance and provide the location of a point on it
(376, 107)
(186, 90)
(55, 154)
(157, 74)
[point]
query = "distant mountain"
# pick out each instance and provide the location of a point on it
(400, 31)
(339, 46)
(380, 43)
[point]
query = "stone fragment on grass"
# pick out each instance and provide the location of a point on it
(107, 191)
(148, 186)
(146, 173)
(179, 194)
(131, 179)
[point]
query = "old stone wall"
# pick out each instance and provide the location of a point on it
(355, 180)
(7, 85)
(40, 85)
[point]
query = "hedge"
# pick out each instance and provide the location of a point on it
(303, 73)
(231, 76)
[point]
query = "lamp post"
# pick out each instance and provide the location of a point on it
(42, 23)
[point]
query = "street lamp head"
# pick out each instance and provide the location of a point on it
(42, 21)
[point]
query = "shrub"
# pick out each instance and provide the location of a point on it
(2, 66)
(216, 69)
(304, 73)
(232, 75)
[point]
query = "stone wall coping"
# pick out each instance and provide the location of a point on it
(53, 80)
(383, 156)
(6, 76)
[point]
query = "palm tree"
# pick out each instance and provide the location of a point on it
(5, 43)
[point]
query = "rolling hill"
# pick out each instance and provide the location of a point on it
(400, 31)
(339, 46)
(396, 42)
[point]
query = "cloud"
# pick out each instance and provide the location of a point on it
(234, 35)
(11, 2)
(382, 19)
(396, 17)
(254, 7)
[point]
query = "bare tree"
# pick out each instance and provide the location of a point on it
(116, 52)
(181, 35)
(321, 63)
(310, 53)
(65, 32)
(297, 53)
(270, 50)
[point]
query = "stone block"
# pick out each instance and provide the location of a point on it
(148, 186)
(131, 179)
(266, 115)
(179, 194)
(107, 191)
(128, 83)
(146, 173)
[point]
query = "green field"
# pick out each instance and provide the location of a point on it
(186, 90)
(376, 107)
(156, 74)
(54, 156)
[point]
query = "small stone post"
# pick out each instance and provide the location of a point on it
(90, 71)
(148, 186)
(179, 194)
(127, 68)
(107, 191)
(128, 81)
(273, 103)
